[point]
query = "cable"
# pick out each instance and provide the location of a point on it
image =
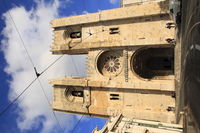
(10, 104)
(90, 34)
(77, 123)
(37, 75)
(23, 44)
(42, 88)
(82, 117)
(77, 71)
(51, 64)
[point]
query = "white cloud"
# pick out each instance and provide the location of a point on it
(113, 1)
(35, 30)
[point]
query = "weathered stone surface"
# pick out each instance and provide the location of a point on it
(130, 63)
(123, 124)
(124, 27)
(120, 90)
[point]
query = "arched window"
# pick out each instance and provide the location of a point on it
(77, 93)
(152, 63)
(74, 94)
(74, 35)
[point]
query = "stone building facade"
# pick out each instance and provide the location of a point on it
(126, 3)
(131, 63)
(121, 124)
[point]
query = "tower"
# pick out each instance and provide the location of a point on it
(130, 54)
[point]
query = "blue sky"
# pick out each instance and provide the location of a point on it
(31, 113)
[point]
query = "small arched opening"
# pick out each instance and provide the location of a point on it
(74, 94)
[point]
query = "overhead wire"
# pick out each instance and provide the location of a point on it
(192, 27)
(20, 37)
(47, 99)
(89, 34)
(77, 124)
(50, 65)
(12, 102)
(38, 75)
(82, 116)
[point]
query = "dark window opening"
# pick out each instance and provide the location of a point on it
(114, 96)
(77, 93)
(153, 63)
(114, 30)
(160, 63)
(74, 35)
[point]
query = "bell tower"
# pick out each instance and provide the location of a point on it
(130, 66)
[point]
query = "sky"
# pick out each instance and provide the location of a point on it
(25, 25)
